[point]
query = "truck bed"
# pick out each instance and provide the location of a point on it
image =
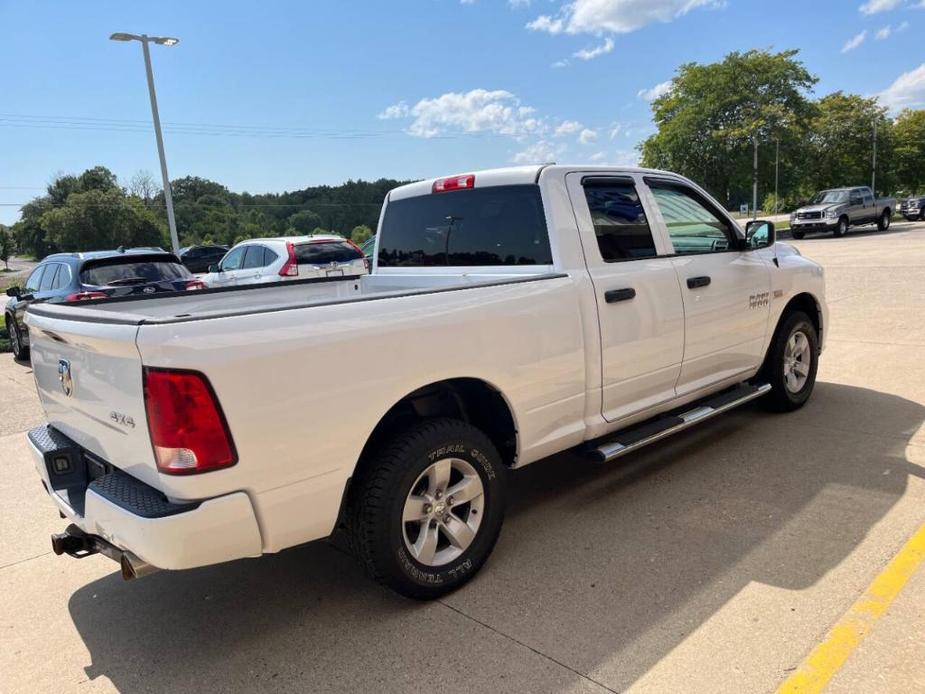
(278, 296)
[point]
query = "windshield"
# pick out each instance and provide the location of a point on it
(830, 196)
(141, 272)
(496, 225)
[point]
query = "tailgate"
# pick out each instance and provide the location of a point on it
(88, 376)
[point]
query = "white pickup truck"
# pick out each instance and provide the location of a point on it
(511, 314)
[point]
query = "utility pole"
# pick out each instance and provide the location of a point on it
(873, 174)
(755, 180)
(144, 39)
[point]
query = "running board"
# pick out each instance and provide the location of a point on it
(636, 437)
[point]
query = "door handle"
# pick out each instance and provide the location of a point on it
(696, 282)
(612, 296)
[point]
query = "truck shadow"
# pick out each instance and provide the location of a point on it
(603, 568)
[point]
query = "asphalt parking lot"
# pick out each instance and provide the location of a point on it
(714, 562)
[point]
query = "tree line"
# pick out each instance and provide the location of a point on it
(712, 117)
(92, 211)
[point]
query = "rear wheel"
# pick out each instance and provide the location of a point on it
(791, 364)
(20, 352)
(425, 513)
(842, 227)
(884, 222)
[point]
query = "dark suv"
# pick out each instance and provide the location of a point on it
(70, 277)
(199, 258)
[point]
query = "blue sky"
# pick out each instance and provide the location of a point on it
(276, 96)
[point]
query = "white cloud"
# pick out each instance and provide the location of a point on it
(598, 156)
(399, 110)
(541, 152)
(587, 136)
(568, 127)
(615, 130)
(620, 158)
(884, 33)
(653, 93)
(518, 3)
(907, 91)
(615, 16)
(479, 110)
(560, 63)
(854, 42)
(905, 25)
(876, 6)
(596, 51)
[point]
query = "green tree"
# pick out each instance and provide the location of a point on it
(303, 221)
(6, 245)
(709, 121)
(360, 234)
(909, 151)
(98, 219)
(841, 140)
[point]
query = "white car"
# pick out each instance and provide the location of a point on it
(511, 314)
(258, 261)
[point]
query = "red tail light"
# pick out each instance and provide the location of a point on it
(195, 284)
(291, 267)
(188, 429)
(441, 185)
(86, 296)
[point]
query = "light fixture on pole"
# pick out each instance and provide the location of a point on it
(144, 39)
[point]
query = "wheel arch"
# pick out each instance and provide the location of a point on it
(808, 304)
(472, 400)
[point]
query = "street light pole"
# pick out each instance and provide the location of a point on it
(873, 174)
(776, 175)
(144, 39)
(755, 181)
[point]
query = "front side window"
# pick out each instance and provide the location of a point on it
(35, 279)
(233, 260)
(496, 225)
(620, 223)
(692, 224)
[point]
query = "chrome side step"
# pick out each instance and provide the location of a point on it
(636, 437)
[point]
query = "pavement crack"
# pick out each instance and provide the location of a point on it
(23, 561)
(528, 647)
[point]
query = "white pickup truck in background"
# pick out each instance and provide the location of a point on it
(511, 314)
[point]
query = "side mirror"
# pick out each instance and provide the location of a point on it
(759, 233)
(14, 292)
(215, 268)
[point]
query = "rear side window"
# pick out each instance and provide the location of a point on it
(63, 278)
(254, 258)
(321, 252)
(127, 273)
(49, 277)
(620, 223)
(498, 225)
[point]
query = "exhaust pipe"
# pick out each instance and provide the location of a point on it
(133, 567)
(76, 543)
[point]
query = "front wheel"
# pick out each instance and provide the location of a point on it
(426, 511)
(20, 351)
(798, 234)
(884, 222)
(791, 363)
(842, 227)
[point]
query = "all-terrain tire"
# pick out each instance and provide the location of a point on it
(791, 385)
(376, 531)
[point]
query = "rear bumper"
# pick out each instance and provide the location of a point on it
(137, 518)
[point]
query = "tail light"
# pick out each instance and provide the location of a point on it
(442, 185)
(291, 267)
(188, 429)
(195, 284)
(85, 296)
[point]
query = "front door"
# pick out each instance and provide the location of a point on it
(230, 267)
(638, 299)
(725, 289)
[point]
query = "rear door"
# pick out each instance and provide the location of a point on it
(639, 301)
(725, 290)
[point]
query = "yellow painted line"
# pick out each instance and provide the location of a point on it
(820, 666)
